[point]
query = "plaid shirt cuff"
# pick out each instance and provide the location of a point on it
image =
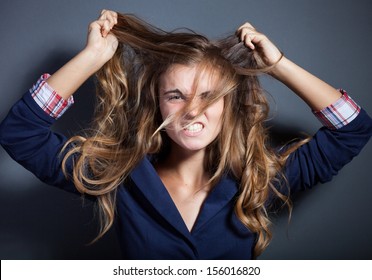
(48, 99)
(340, 113)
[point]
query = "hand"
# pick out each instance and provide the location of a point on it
(257, 41)
(101, 46)
(100, 40)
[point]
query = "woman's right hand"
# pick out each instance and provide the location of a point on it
(101, 46)
(101, 42)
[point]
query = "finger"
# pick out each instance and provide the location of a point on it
(108, 13)
(245, 30)
(94, 26)
(111, 16)
(106, 28)
(102, 25)
(248, 38)
(107, 20)
(246, 25)
(114, 16)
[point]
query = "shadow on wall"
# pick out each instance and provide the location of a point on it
(47, 223)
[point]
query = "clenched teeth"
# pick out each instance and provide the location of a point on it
(196, 127)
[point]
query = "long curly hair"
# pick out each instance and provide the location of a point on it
(127, 123)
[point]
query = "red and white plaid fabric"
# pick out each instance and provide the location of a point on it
(335, 116)
(340, 113)
(48, 99)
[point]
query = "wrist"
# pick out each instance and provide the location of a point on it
(74, 73)
(91, 60)
(281, 69)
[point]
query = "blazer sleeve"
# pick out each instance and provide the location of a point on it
(26, 135)
(326, 153)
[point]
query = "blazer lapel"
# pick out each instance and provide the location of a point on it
(150, 184)
(218, 198)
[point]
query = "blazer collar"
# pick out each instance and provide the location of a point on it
(149, 183)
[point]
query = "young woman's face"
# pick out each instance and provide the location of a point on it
(175, 89)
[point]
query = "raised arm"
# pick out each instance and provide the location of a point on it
(347, 127)
(315, 92)
(101, 46)
(25, 132)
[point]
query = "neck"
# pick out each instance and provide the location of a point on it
(186, 167)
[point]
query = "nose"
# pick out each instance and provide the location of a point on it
(193, 109)
(192, 113)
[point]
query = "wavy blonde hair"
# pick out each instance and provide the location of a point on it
(127, 120)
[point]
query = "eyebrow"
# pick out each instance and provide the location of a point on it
(176, 90)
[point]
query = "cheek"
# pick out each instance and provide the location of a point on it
(216, 111)
(167, 109)
(163, 113)
(164, 110)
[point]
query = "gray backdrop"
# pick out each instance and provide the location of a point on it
(330, 38)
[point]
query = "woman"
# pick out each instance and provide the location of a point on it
(178, 155)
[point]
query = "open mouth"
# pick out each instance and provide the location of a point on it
(196, 127)
(193, 129)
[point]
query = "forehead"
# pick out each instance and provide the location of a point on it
(188, 78)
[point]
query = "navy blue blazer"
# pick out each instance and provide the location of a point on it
(148, 223)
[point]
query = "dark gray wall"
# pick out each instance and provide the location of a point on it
(332, 39)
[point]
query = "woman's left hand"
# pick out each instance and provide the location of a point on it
(315, 92)
(257, 41)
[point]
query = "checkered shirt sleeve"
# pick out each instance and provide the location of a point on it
(335, 116)
(340, 113)
(48, 99)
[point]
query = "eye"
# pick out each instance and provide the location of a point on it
(175, 97)
(204, 95)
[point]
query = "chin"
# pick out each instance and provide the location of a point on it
(193, 147)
